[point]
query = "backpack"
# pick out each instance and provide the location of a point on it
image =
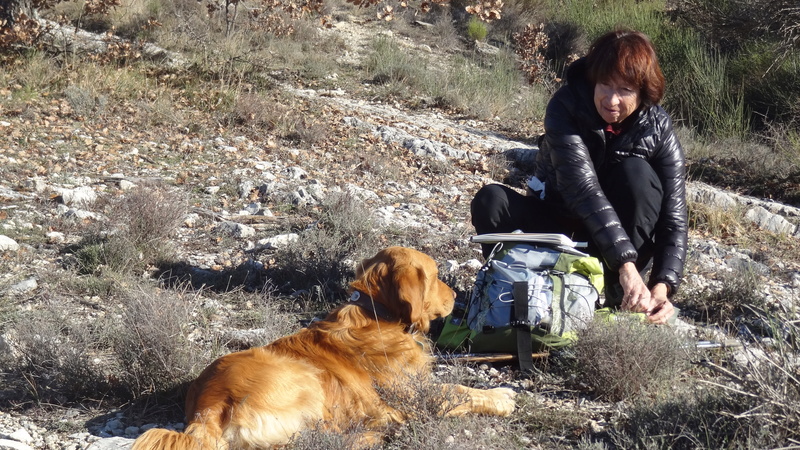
(532, 294)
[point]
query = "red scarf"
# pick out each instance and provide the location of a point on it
(614, 128)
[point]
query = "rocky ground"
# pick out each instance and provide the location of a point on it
(415, 170)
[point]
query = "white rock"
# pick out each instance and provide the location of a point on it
(191, 220)
(24, 287)
(114, 443)
(769, 221)
(279, 241)
(236, 229)
(472, 264)
(126, 185)
(7, 444)
(21, 435)
(55, 237)
(296, 173)
(80, 196)
(7, 244)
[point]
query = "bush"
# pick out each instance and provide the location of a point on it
(722, 112)
(625, 358)
(753, 402)
(477, 29)
(728, 301)
(55, 356)
(143, 221)
(388, 63)
(151, 342)
(321, 262)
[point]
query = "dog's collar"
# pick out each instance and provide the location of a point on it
(369, 305)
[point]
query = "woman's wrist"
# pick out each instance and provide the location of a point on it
(660, 290)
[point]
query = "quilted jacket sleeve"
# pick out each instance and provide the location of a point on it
(671, 231)
(577, 183)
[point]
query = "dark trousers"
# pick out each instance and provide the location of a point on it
(632, 188)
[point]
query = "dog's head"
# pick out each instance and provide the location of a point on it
(406, 283)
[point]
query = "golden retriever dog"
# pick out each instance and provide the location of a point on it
(329, 375)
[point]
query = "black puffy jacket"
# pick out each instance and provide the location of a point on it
(574, 150)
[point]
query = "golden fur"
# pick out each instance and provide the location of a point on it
(329, 374)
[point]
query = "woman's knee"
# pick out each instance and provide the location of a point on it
(488, 206)
(632, 183)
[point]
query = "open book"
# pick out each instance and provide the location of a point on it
(556, 240)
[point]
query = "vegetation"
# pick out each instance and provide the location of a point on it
(153, 322)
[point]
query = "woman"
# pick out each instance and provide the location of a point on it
(610, 171)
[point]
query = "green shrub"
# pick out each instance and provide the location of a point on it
(768, 82)
(477, 29)
(722, 111)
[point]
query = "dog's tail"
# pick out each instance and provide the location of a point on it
(196, 437)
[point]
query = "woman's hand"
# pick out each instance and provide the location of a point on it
(636, 297)
(662, 308)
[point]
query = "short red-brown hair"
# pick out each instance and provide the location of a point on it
(630, 56)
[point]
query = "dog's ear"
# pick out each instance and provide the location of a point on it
(410, 287)
(392, 279)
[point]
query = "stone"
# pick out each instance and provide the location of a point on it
(80, 196)
(7, 244)
(21, 435)
(769, 221)
(114, 443)
(237, 230)
(55, 237)
(279, 241)
(126, 185)
(24, 287)
(8, 444)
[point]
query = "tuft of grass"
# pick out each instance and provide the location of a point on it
(150, 341)
(53, 356)
(751, 401)
(143, 220)
(84, 102)
(715, 221)
(704, 75)
(388, 63)
(477, 29)
(624, 358)
(483, 87)
(541, 422)
(321, 262)
(731, 299)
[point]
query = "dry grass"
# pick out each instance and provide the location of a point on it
(150, 341)
(750, 403)
(51, 358)
(322, 260)
(143, 221)
(625, 358)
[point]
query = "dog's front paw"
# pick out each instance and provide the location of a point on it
(502, 399)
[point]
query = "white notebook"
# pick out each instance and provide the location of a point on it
(554, 239)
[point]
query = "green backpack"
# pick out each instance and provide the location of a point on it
(532, 294)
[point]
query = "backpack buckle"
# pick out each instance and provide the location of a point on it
(521, 324)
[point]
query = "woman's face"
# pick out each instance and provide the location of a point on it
(615, 100)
